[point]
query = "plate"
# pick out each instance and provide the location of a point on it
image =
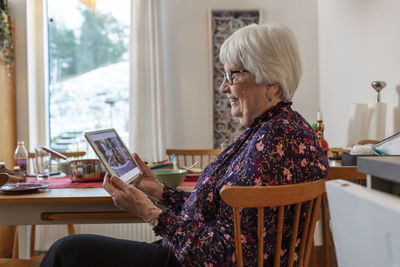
(23, 187)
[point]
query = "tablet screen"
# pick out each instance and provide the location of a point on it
(114, 154)
(390, 145)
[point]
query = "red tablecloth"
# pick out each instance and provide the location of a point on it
(188, 183)
(66, 182)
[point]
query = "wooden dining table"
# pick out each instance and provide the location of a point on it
(60, 206)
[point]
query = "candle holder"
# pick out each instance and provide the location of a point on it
(378, 86)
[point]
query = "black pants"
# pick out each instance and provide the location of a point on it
(95, 250)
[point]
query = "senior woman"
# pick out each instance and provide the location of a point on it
(262, 72)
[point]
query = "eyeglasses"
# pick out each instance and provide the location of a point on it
(228, 74)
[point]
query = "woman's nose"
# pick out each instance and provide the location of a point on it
(224, 88)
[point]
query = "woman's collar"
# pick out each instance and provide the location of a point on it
(271, 112)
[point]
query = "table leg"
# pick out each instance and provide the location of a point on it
(369, 181)
(24, 232)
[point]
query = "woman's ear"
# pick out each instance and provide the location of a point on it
(271, 90)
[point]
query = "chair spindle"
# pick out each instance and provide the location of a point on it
(238, 237)
(260, 236)
(293, 239)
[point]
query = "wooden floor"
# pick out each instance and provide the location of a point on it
(19, 263)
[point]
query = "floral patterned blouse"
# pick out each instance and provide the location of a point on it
(279, 148)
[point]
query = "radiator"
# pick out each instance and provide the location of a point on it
(46, 235)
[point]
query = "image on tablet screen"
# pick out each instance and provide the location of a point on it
(116, 155)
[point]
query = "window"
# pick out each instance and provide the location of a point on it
(88, 59)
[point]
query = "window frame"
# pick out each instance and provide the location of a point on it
(31, 69)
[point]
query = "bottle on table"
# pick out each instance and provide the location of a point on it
(21, 157)
(319, 128)
(174, 161)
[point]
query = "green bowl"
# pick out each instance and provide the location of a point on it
(172, 177)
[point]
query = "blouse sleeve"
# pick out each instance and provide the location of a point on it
(195, 241)
(173, 198)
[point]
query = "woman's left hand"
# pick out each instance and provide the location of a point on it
(130, 198)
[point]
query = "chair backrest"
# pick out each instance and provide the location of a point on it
(346, 173)
(69, 155)
(73, 155)
(279, 196)
(186, 157)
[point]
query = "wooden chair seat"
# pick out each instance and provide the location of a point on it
(280, 196)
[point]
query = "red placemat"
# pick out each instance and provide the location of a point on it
(66, 182)
(188, 183)
(190, 180)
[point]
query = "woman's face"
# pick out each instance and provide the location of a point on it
(248, 99)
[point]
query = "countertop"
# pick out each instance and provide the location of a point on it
(384, 167)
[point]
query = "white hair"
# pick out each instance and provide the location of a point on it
(269, 52)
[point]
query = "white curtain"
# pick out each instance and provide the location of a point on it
(147, 107)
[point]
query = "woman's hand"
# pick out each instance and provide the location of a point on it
(129, 198)
(147, 182)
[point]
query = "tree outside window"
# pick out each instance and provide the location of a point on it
(88, 70)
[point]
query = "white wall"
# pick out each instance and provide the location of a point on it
(187, 62)
(359, 43)
(187, 66)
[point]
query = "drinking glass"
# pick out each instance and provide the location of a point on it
(42, 161)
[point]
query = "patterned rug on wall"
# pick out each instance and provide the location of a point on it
(223, 24)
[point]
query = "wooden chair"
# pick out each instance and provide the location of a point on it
(71, 229)
(272, 196)
(69, 155)
(349, 173)
(186, 157)
(72, 155)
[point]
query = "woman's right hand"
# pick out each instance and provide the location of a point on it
(147, 182)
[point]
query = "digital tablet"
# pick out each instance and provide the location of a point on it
(390, 145)
(114, 155)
